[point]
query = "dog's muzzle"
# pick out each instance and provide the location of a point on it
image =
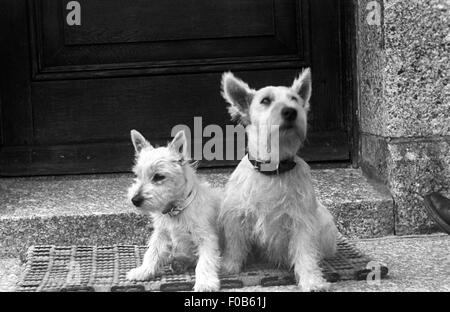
(289, 114)
(137, 200)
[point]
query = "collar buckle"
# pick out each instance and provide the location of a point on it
(176, 209)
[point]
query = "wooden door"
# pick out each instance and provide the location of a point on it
(71, 93)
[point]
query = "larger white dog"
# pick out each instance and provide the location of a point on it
(275, 208)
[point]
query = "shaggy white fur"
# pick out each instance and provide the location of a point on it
(165, 181)
(278, 213)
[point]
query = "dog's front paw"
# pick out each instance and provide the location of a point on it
(313, 284)
(140, 274)
(212, 284)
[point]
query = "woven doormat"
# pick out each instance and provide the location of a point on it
(95, 268)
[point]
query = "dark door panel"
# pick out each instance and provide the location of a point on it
(71, 94)
(152, 21)
(95, 110)
(152, 35)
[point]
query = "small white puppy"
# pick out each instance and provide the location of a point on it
(183, 208)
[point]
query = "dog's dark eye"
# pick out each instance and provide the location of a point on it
(266, 101)
(294, 98)
(158, 177)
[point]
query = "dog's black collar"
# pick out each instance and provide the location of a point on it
(283, 166)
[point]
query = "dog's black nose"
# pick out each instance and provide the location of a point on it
(289, 113)
(137, 200)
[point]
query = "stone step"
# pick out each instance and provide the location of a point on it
(93, 209)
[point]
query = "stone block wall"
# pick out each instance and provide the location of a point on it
(404, 102)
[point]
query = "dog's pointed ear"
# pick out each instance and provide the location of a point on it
(239, 95)
(302, 85)
(139, 142)
(179, 145)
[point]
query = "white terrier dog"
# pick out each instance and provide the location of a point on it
(277, 208)
(183, 209)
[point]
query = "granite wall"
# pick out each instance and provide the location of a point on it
(404, 101)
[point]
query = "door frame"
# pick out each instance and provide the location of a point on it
(350, 85)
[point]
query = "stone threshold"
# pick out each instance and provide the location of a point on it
(93, 209)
